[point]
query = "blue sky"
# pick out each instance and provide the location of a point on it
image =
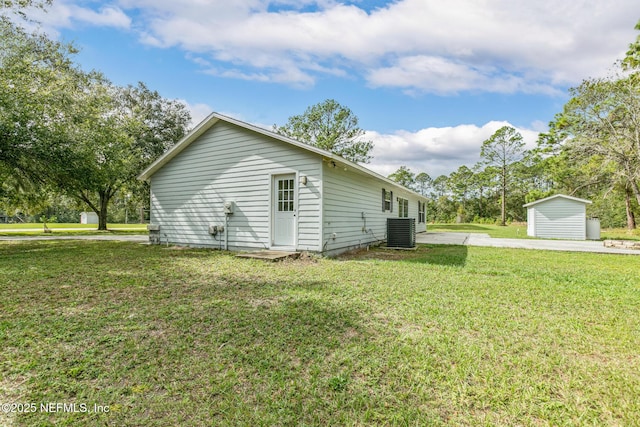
(429, 79)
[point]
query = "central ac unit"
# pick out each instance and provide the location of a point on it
(401, 232)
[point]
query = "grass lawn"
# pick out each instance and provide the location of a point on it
(445, 335)
(511, 231)
(37, 229)
(519, 231)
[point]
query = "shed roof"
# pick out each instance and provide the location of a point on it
(214, 118)
(563, 196)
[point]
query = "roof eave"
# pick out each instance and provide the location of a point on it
(556, 196)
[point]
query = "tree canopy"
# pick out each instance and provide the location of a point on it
(404, 177)
(73, 131)
(41, 90)
(598, 135)
(332, 127)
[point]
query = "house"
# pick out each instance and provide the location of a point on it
(558, 217)
(236, 186)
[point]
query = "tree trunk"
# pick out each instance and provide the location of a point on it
(103, 203)
(102, 214)
(631, 219)
(636, 190)
(503, 210)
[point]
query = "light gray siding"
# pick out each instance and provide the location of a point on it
(231, 163)
(347, 194)
(559, 218)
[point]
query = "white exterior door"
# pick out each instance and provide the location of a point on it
(284, 210)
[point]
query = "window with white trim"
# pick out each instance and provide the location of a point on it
(422, 207)
(387, 197)
(403, 207)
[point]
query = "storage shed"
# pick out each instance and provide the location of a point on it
(232, 185)
(88, 218)
(558, 217)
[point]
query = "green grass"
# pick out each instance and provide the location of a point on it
(55, 226)
(37, 229)
(445, 335)
(620, 234)
(519, 231)
(511, 231)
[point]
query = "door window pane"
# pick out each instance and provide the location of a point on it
(285, 195)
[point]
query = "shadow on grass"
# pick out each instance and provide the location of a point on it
(448, 255)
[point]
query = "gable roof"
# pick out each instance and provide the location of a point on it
(214, 118)
(563, 196)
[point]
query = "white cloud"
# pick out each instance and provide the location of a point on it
(503, 46)
(107, 16)
(436, 151)
(65, 14)
(442, 76)
(286, 73)
(418, 45)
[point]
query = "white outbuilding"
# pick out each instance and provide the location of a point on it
(558, 217)
(88, 218)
